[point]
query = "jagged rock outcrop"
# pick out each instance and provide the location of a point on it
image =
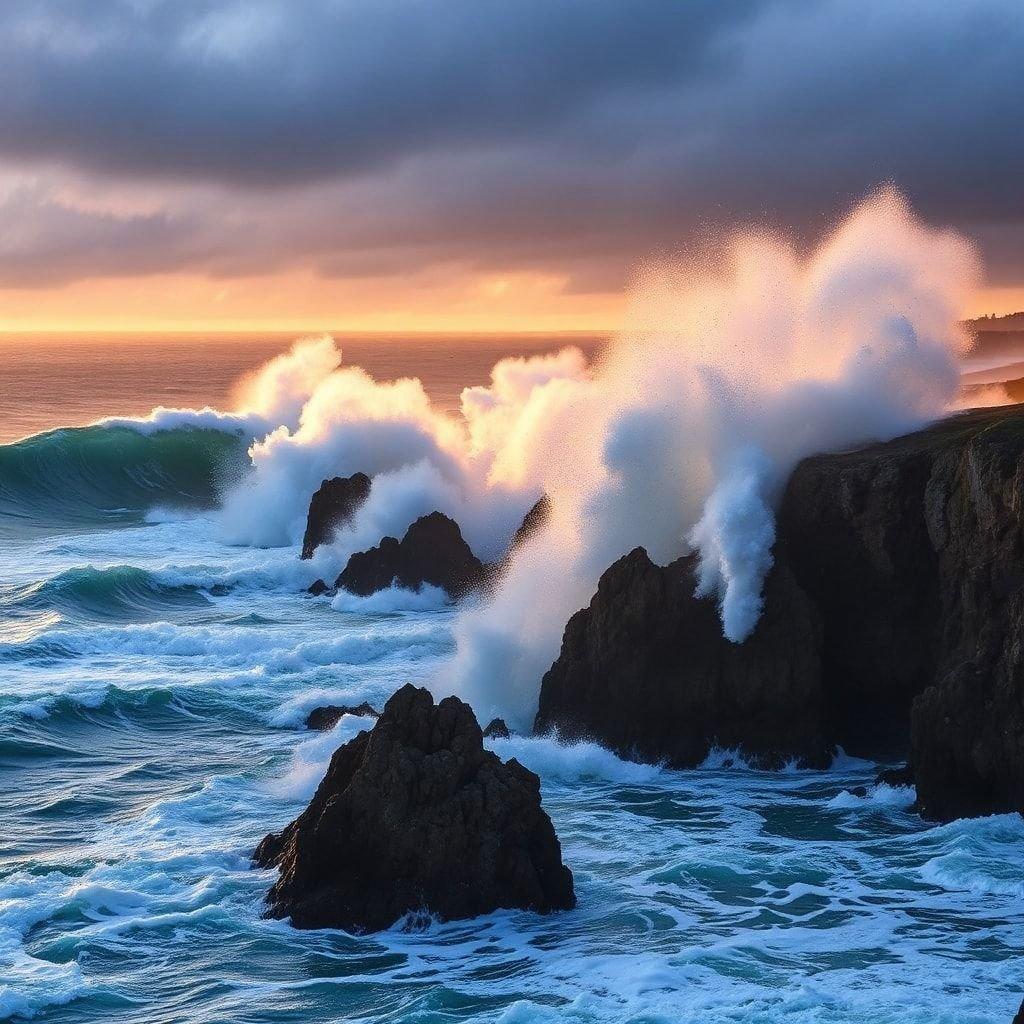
(327, 717)
(432, 551)
(1019, 1019)
(333, 504)
(893, 624)
(497, 730)
(646, 671)
(414, 815)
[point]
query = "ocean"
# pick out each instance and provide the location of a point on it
(154, 679)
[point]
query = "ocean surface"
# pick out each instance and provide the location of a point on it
(153, 686)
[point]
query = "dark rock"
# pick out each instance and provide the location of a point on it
(414, 815)
(914, 552)
(893, 625)
(334, 504)
(1019, 1019)
(318, 587)
(497, 730)
(646, 671)
(532, 521)
(901, 776)
(432, 551)
(492, 572)
(327, 717)
(859, 791)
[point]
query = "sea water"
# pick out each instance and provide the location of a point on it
(153, 688)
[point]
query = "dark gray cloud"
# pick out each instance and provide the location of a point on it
(564, 135)
(272, 91)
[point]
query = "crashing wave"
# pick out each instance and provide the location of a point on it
(103, 474)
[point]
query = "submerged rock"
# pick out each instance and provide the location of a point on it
(333, 505)
(897, 777)
(432, 551)
(327, 717)
(646, 671)
(318, 587)
(415, 816)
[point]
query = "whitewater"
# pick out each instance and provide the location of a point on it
(159, 654)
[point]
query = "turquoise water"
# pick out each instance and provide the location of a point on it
(153, 684)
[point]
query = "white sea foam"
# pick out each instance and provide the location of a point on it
(393, 599)
(677, 439)
(881, 795)
(569, 762)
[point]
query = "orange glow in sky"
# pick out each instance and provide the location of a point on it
(305, 301)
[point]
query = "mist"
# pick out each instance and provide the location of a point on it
(678, 438)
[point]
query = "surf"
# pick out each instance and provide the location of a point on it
(112, 475)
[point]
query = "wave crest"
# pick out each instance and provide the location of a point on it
(102, 474)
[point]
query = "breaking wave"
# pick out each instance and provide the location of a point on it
(106, 474)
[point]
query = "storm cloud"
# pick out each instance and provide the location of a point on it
(575, 136)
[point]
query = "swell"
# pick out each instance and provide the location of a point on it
(99, 474)
(122, 593)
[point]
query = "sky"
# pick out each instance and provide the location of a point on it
(474, 164)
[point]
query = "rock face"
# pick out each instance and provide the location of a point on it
(333, 505)
(646, 671)
(1019, 1019)
(432, 551)
(415, 815)
(327, 717)
(893, 624)
(914, 552)
(497, 730)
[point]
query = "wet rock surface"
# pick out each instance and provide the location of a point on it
(893, 625)
(914, 552)
(415, 816)
(646, 671)
(328, 716)
(333, 505)
(432, 551)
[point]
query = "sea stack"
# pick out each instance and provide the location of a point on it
(415, 816)
(432, 551)
(333, 505)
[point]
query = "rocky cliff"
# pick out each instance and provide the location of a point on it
(415, 816)
(908, 559)
(914, 552)
(645, 669)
